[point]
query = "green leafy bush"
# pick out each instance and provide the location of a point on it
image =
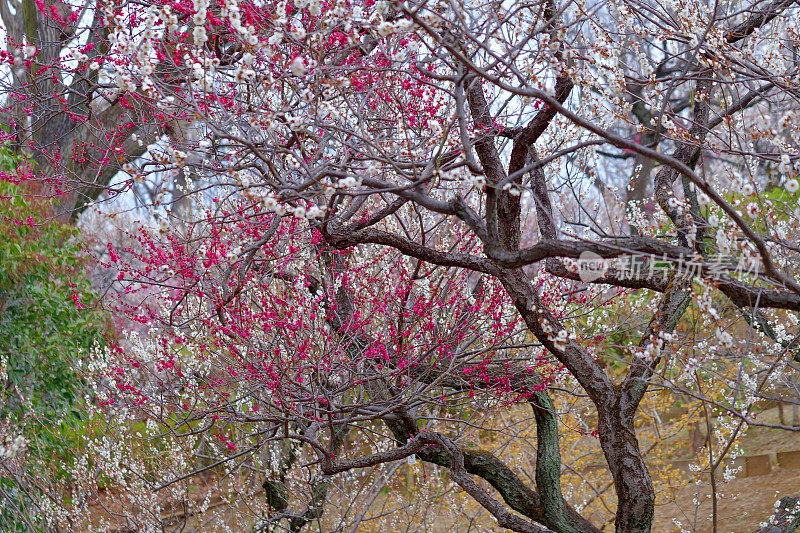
(48, 321)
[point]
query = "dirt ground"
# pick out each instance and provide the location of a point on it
(744, 503)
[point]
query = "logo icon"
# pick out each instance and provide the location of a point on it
(591, 266)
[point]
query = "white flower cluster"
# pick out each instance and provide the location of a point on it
(169, 18)
(203, 70)
(168, 154)
(384, 29)
(271, 204)
(704, 301)
(314, 7)
(473, 180)
(560, 339)
(298, 67)
(138, 50)
(199, 19)
(244, 71)
(725, 338)
(786, 167)
(312, 213)
(512, 189)
(247, 33)
(12, 446)
(296, 29)
(654, 348)
(730, 471)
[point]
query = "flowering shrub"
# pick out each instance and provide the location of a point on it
(47, 328)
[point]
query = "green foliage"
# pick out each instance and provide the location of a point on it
(780, 194)
(47, 323)
(44, 325)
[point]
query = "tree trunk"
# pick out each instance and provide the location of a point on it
(635, 494)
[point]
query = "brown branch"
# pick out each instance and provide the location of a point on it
(757, 19)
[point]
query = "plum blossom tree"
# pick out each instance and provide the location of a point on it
(384, 217)
(54, 110)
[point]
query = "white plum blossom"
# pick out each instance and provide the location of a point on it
(315, 212)
(725, 338)
(12, 446)
(298, 67)
(296, 30)
(200, 36)
(785, 165)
